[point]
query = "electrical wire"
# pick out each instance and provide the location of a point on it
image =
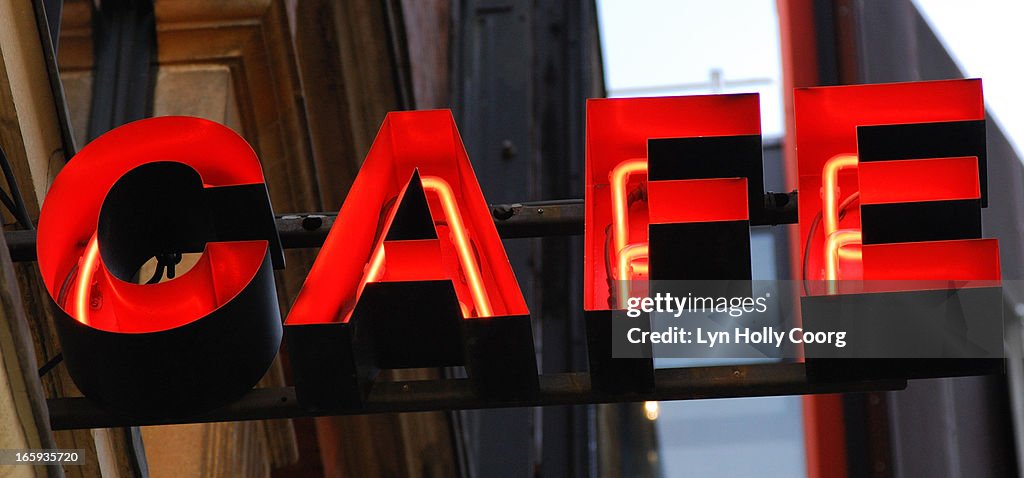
(9, 203)
(15, 203)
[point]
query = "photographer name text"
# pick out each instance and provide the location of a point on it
(739, 335)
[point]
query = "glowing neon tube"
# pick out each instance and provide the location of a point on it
(450, 209)
(850, 254)
(461, 240)
(833, 245)
(83, 285)
(830, 186)
(618, 178)
(623, 252)
(623, 271)
(830, 216)
(376, 266)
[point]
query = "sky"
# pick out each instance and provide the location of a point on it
(649, 50)
(984, 37)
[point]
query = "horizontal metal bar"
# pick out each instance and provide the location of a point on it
(451, 394)
(529, 219)
(539, 219)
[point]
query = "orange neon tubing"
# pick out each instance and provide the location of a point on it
(830, 184)
(850, 254)
(83, 285)
(450, 208)
(624, 252)
(461, 239)
(830, 212)
(627, 255)
(833, 244)
(376, 266)
(618, 178)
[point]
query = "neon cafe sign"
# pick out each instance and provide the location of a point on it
(413, 273)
